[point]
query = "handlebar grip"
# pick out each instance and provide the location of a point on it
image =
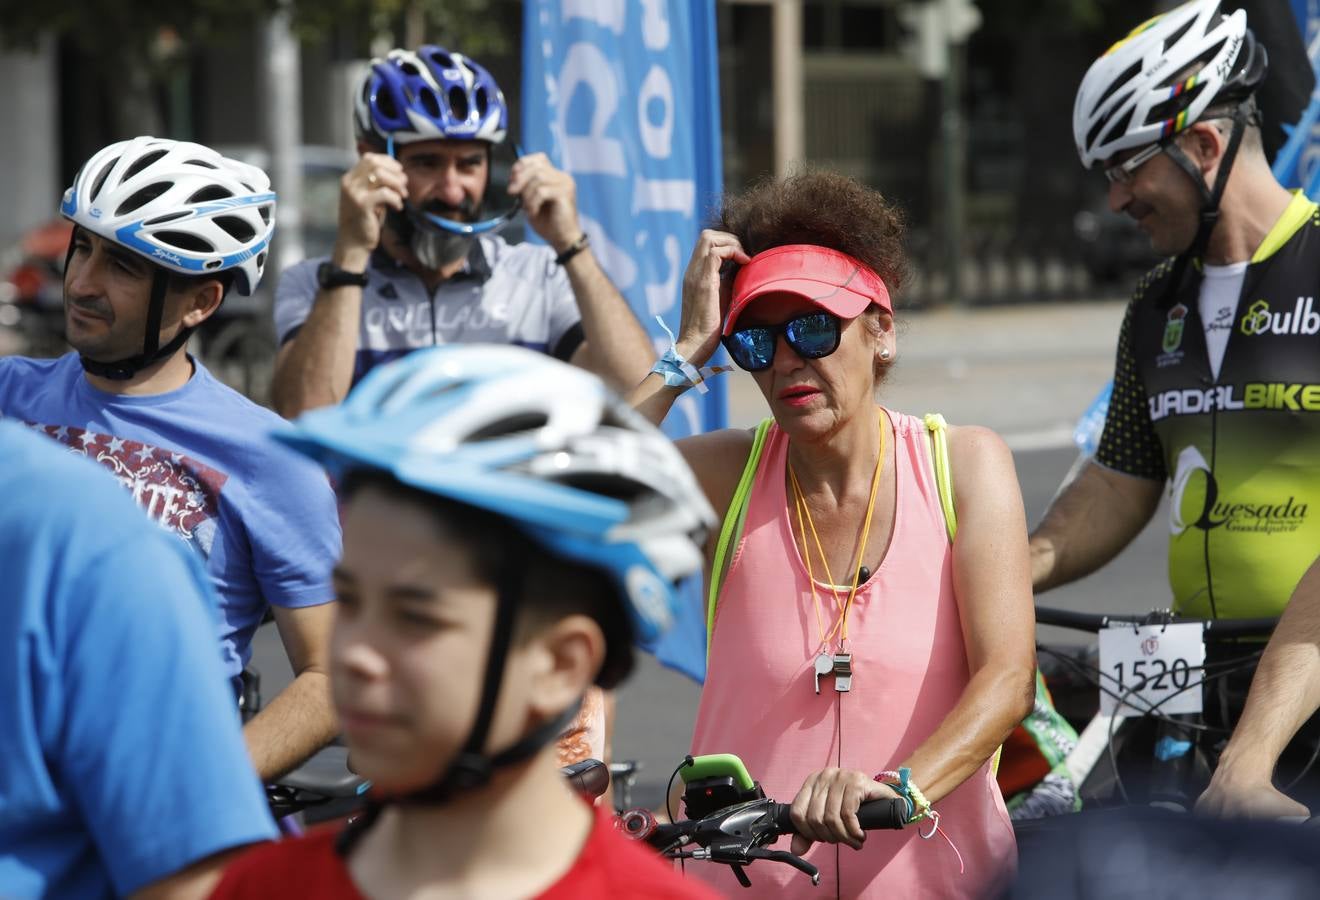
(874, 815)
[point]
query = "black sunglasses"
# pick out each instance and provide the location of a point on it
(812, 336)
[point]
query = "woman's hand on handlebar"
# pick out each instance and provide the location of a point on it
(825, 809)
(1232, 797)
(700, 322)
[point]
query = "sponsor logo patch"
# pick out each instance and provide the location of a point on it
(1260, 319)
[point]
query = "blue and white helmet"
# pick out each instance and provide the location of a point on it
(429, 95)
(180, 205)
(539, 442)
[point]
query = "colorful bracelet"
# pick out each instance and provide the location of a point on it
(919, 807)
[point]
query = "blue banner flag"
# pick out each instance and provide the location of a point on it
(1297, 164)
(624, 95)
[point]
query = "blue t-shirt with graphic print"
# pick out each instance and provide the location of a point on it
(200, 461)
(504, 294)
(121, 754)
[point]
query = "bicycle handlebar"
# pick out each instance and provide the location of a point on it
(873, 815)
(1092, 622)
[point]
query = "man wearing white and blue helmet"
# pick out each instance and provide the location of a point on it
(511, 530)
(417, 261)
(162, 230)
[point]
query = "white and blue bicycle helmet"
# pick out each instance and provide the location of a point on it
(541, 443)
(184, 208)
(548, 448)
(428, 95)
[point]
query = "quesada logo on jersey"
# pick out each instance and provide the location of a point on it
(175, 490)
(1174, 326)
(1195, 502)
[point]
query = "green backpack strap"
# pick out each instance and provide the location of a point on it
(939, 454)
(731, 530)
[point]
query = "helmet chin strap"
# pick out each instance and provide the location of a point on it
(152, 352)
(1210, 197)
(472, 768)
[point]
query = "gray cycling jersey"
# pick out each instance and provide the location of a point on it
(505, 294)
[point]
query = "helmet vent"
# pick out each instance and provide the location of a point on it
(261, 260)
(201, 162)
(105, 173)
(442, 60)
(430, 102)
(1119, 126)
(236, 228)
(408, 68)
(1178, 35)
(458, 102)
(1129, 73)
(210, 192)
(264, 212)
(529, 421)
(385, 105)
(168, 217)
(142, 162)
(143, 197)
(184, 241)
(483, 102)
(1171, 107)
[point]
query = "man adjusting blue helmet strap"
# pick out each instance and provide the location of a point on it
(557, 458)
(418, 260)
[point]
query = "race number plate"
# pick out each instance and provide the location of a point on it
(1152, 666)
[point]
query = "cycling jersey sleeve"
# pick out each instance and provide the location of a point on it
(1129, 443)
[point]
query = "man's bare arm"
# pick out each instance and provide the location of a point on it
(300, 719)
(1089, 523)
(1285, 692)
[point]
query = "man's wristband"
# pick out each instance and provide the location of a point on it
(574, 249)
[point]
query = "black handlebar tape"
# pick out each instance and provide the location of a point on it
(874, 815)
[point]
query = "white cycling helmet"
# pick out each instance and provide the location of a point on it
(1162, 77)
(180, 205)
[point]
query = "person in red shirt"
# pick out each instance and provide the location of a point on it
(511, 530)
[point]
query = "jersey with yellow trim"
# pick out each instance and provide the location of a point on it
(1240, 453)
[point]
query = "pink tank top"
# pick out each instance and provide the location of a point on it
(910, 668)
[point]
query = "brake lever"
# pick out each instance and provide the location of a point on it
(784, 856)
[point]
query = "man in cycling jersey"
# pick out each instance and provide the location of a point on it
(162, 229)
(415, 264)
(122, 767)
(1217, 379)
(510, 530)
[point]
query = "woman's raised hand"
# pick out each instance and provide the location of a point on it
(700, 323)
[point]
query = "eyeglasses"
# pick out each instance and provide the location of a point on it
(462, 227)
(1124, 172)
(812, 336)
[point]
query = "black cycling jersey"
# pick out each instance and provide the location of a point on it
(1241, 452)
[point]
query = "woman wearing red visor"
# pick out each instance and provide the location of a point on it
(863, 642)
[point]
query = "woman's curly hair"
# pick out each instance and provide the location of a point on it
(824, 208)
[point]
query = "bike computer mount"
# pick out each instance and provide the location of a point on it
(716, 782)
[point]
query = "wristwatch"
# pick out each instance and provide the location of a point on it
(330, 276)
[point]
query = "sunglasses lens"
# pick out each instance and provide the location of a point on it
(751, 348)
(813, 336)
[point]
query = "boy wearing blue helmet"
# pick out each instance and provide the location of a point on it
(511, 529)
(417, 262)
